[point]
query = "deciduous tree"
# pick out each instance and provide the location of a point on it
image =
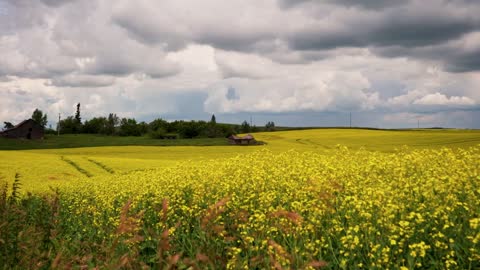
(39, 117)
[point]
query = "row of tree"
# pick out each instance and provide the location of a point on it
(158, 128)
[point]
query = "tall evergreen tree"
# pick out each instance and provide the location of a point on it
(77, 115)
(213, 120)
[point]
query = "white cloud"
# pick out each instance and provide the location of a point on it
(335, 91)
(153, 58)
(239, 65)
(443, 100)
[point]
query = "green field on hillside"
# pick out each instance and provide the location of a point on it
(311, 139)
(93, 140)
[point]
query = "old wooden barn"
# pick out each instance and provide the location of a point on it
(245, 140)
(27, 129)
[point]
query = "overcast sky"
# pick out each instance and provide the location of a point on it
(296, 62)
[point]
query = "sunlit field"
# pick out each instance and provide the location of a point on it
(328, 198)
(43, 168)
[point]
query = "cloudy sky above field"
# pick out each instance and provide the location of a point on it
(296, 62)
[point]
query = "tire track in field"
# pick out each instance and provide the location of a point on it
(101, 165)
(76, 166)
(310, 142)
(449, 142)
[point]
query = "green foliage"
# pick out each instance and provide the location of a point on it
(161, 133)
(188, 129)
(28, 230)
(270, 126)
(15, 189)
(158, 124)
(7, 125)
(129, 127)
(69, 125)
(94, 140)
(112, 122)
(142, 128)
(245, 127)
(39, 117)
(113, 125)
(96, 125)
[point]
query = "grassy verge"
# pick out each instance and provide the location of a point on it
(87, 140)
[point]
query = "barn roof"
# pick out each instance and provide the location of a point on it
(19, 125)
(246, 137)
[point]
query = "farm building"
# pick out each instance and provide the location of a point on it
(27, 129)
(245, 140)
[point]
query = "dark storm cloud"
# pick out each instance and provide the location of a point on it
(419, 30)
(464, 61)
(325, 25)
(151, 31)
(452, 56)
(147, 32)
(400, 27)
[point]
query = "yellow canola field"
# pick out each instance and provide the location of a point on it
(373, 205)
(352, 209)
(42, 169)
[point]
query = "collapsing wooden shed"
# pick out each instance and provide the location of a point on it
(27, 129)
(245, 140)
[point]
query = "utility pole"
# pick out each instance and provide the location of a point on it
(418, 122)
(58, 125)
(251, 123)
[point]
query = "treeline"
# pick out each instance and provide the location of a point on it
(158, 128)
(113, 125)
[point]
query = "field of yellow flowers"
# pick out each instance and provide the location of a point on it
(261, 209)
(41, 169)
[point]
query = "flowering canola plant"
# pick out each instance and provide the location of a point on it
(348, 210)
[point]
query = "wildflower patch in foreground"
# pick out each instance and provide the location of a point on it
(348, 209)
